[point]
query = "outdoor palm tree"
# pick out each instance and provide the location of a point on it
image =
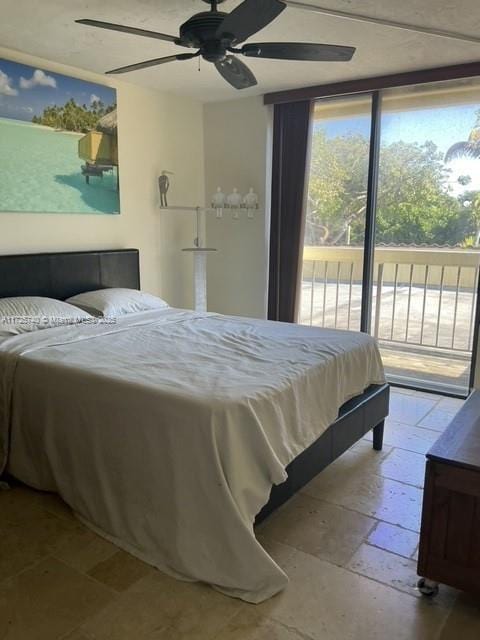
(469, 148)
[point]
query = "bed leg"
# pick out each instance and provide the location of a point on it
(378, 436)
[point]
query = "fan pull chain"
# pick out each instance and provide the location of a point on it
(199, 63)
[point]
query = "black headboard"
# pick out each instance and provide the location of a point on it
(61, 275)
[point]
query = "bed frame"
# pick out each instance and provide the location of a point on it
(61, 275)
(355, 418)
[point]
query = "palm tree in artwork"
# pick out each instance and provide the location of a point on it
(468, 148)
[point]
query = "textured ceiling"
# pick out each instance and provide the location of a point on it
(47, 29)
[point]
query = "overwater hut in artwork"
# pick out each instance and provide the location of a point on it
(99, 148)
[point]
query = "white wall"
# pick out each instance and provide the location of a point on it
(156, 131)
(236, 155)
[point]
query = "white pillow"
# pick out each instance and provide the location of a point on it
(116, 302)
(29, 313)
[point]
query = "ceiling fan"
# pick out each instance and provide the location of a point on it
(215, 34)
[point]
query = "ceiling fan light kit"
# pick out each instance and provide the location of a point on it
(216, 34)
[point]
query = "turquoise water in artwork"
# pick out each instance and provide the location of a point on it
(40, 171)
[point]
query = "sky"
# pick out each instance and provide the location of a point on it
(443, 126)
(25, 91)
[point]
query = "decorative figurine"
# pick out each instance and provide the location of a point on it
(218, 202)
(163, 186)
(250, 202)
(234, 201)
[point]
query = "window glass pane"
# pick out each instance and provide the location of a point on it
(335, 221)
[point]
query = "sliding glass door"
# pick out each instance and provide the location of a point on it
(427, 235)
(331, 293)
(421, 299)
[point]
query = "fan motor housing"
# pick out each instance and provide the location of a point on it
(201, 28)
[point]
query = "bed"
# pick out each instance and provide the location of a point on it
(171, 432)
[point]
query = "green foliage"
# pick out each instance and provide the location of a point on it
(464, 180)
(471, 202)
(337, 189)
(414, 205)
(73, 117)
(470, 242)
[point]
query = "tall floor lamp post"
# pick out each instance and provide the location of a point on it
(200, 254)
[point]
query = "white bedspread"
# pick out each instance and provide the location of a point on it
(166, 431)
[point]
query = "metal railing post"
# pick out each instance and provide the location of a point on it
(378, 301)
(312, 292)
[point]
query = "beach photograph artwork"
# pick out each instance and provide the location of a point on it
(58, 143)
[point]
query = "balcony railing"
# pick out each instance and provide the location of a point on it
(423, 297)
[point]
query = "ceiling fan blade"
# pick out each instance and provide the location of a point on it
(133, 30)
(153, 63)
(236, 73)
(249, 17)
(299, 51)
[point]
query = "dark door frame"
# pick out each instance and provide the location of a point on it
(375, 83)
(370, 213)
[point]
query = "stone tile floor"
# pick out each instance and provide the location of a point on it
(348, 542)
